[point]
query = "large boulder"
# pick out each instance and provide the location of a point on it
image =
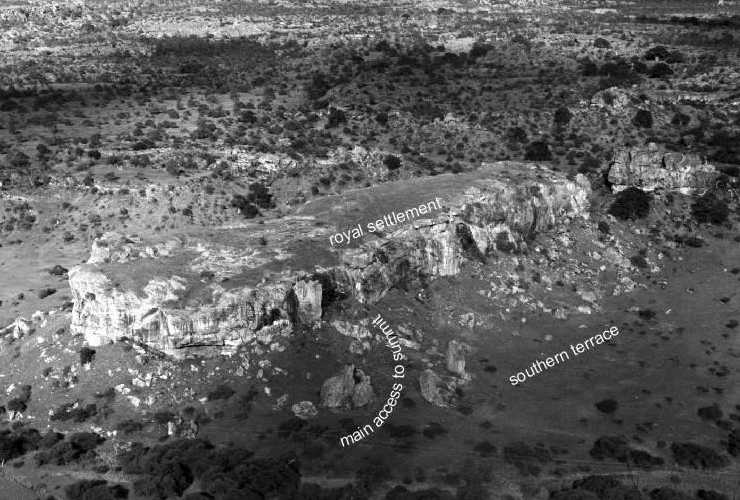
(350, 388)
(456, 352)
(651, 169)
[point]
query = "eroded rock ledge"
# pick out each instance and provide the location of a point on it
(650, 169)
(230, 286)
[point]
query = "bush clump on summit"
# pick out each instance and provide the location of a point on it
(632, 203)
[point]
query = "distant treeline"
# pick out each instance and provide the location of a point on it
(708, 22)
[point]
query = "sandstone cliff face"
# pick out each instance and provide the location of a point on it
(155, 317)
(651, 169)
(223, 288)
(498, 216)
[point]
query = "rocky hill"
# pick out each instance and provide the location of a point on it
(229, 286)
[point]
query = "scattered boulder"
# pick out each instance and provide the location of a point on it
(304, 410)
(184, 428)
(17, 329)
(357, 330)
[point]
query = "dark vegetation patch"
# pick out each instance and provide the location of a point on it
(45, 292)
(485, 449)
(617, 448)
(713, 413)
(630, 203)
(95, 489)
(710, 495)
(87, 355)
(469, 246)
(257, 197)
(665, 493)
(221, 392)
(643, 118)
(733, 443)
(76, 447)
(537, 151)
(74, 412)
(129, 426)
(698, 456)
(607, 406)
(527, 459)
(597, 488)
(710, 209)
(229, 472)
(16, 443)
(402, 493)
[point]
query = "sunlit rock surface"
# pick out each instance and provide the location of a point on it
(651, 169)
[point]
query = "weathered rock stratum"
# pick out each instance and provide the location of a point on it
(228, 286)
(651, 169)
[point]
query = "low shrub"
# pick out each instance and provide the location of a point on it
(221, 392)
(537, 151)
(224, 473)
(87, 355)
(697, 456)
(18, 442)
(94, 489)
(710, 209)
(527, 459)
(643, 118)
(392, 162)
(76, 447)
(68, 412)
(607, 406)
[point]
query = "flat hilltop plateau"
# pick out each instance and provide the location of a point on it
(443, 250)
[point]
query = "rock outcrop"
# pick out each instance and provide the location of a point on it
(350, 388)
(651, 169)
(228, 286)
(305, 410)
(456, 352)
(435, 390)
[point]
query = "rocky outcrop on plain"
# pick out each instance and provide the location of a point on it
(251, 283)
(435, 390)
(651, 169)
(305, 410)
(456, 352)
(350, 388)
(613, 99)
